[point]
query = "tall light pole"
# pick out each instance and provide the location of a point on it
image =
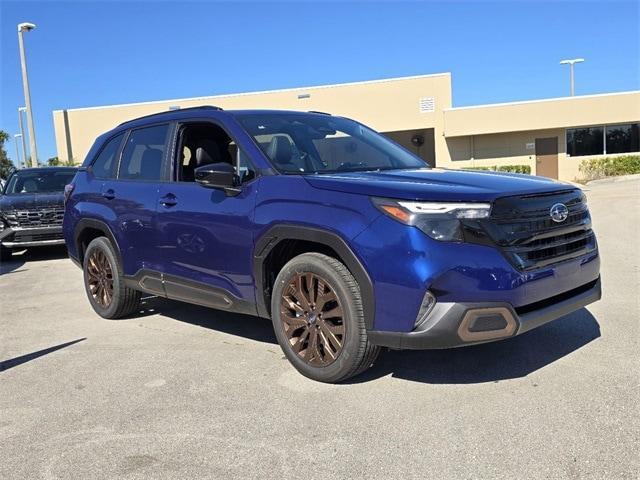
(571, 62)
(26, 27)
(22, 135)
(16, 136)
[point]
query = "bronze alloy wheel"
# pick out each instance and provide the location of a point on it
(100, 278)
(312, 318)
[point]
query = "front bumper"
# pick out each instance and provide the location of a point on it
(459, 324)
(21, 237)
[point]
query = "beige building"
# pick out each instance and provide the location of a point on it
(551, 136)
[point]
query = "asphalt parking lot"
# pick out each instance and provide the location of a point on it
(186, 392)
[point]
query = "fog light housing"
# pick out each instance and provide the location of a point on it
(484, 324)
(428, 302)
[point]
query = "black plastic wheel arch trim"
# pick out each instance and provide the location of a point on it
(94, 224)
(278, 233)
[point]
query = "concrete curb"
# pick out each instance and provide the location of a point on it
(621, 178)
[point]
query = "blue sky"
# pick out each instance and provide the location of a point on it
(87, 53)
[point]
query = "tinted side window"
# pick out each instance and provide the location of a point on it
(104, 166)
(143, 153)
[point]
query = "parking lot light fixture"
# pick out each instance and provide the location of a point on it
(571, 62)
(27, 27)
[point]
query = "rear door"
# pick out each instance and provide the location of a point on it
(132, 197)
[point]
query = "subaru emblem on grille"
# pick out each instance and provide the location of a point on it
(559, 212)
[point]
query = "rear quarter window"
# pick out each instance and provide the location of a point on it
(105, 164)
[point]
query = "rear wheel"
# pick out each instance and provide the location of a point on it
(104, 283)
(318, 319)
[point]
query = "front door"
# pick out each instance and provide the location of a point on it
(547, 157)
(205, 236)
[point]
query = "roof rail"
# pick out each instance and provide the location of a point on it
(321, 113)
(200, 107)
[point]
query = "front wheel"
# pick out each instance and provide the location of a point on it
(104, 282)
(317, 314)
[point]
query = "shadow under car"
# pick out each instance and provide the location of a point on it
(515, 357)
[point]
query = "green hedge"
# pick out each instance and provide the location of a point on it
(506, 168)
(594, 168)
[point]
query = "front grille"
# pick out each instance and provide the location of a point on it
(25, 236)
(35, 217)
(523, 229)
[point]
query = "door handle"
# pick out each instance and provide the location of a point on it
(169, 200)
(109, 194)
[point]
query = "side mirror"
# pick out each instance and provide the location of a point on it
(218, 175)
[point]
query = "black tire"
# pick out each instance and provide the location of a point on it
(123, 300)
(333, 279)
(5, 254)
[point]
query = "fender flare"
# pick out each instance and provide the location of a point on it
(94, 224)
(272, 237)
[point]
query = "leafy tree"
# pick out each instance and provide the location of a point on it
(56, 162)
(6, 167)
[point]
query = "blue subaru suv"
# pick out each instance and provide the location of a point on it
(344, 239)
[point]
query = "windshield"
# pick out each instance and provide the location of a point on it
(316, 143)
(39, 182)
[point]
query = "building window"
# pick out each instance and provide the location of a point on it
(623, 138)
(602, 140)
(585, 141)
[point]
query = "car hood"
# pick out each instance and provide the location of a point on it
(436, 184)
(24, 201)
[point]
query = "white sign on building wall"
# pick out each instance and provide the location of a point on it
(427, 105)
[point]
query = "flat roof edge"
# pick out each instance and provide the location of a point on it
(541, 100)
(260, 92)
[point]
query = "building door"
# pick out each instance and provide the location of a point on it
(547, 157)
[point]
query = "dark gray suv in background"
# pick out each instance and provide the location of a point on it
(32, 208)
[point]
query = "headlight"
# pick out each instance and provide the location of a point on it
(440, 220)
(583, 199)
